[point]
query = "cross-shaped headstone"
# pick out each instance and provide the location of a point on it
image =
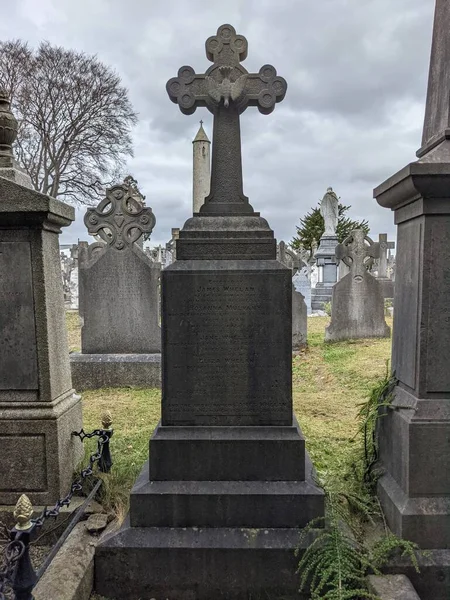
(384, 247)
(226, 89)
(120, 219)
(357, 251)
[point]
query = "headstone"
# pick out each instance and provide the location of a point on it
(38, 407)
(302, 284)
(119, 304)
(325, 254)
(217, 514)
(414, 436)
(357, 306)
(299, 320)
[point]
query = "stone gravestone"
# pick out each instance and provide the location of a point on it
(118, 298)
(414, 436)
(357, 307)
(302, 284)
(299, 320)
(387, 285)
(217, 514)
(38, 407)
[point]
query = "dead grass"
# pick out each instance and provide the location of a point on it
(329, 382)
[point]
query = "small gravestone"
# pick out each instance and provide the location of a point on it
(302, 284)
(357, 309)
(118, 297)
(299, 320)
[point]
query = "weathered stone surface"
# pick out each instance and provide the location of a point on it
(414, 449)
(329, 209)
(357, 309)
(18, 356)
(227, 343)
(299, 320)
(38, 409)
(97, 523)
(215, 454)
(118, 283)
(392, 587)
(97, 371)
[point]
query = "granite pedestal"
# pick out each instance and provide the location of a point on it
(38, 407)
(229, 483)
(414, 435)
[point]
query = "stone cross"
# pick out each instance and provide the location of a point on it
(384, 247)
(358, 251)
(226, 89)
(120, 219)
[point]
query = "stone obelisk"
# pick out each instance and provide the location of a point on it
(216, 512)
(415, 433)
(201, 168)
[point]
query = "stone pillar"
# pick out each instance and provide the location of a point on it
(414, 435)
(201, 168)
(387, 285)
(38, 407)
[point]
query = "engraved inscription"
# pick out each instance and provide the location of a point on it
(227, 349)
(18, 356)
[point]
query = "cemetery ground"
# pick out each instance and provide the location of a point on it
(330, 381)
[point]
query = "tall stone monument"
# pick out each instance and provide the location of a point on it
(325, 256)
(357, 308)
(118, 297)
(38, 407)
(414, 434)
(201, 168)
(216, 513)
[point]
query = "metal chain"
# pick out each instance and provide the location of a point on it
(15, 549)
(12, 554)
(77, 485)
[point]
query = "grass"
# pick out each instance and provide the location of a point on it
(329, 382)
(73, 330)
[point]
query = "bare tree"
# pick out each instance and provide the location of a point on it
(74, 116)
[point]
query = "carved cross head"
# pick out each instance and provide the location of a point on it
(226, 82)
(120, 219)
(358, 252)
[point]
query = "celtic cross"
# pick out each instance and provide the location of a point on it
(357, 251)
(226, 89)
(120, 219)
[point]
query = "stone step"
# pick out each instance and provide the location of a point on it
(200, 563)
(227, 453)
(225, 503)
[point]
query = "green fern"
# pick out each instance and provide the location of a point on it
(336, 564)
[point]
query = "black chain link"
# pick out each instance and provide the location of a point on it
(15, 549)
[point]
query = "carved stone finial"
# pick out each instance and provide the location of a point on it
(23, 513)
(8, 131)
(107, 420)
(120, 219)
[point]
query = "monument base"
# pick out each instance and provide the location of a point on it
(96, 371)
(199, 563)
(321, 295)
(38, 453)
(207, 537)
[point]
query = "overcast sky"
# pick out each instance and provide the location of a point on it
(353, 113)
